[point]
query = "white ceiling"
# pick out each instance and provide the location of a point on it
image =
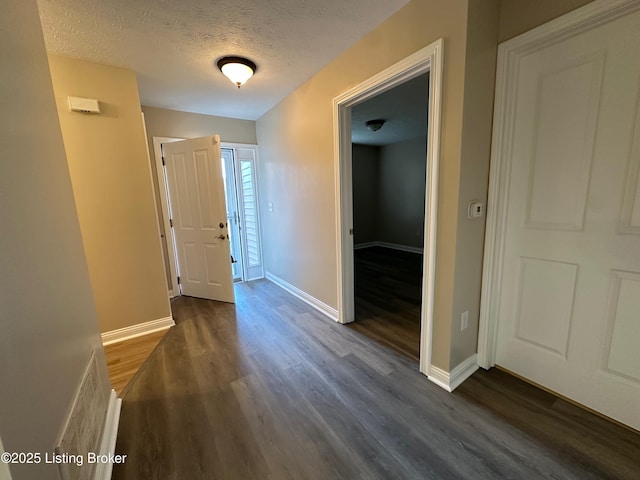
(404, 108)
(173, 45)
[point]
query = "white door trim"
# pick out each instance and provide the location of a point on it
(164, 203)
(429, 59)
(239, 145)
(238, 189)
(241, 203)
(583, 19)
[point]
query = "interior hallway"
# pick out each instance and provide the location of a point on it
(270, 389)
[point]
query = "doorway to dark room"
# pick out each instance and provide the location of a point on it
(389, 137)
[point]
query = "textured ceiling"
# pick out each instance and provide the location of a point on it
(404, 108)
(173, 45)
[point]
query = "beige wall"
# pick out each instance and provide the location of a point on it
(171, 123)
(48, 317)
(296, 153)
(161, 122)
(474, 172)
(519, 16)
(113, 191)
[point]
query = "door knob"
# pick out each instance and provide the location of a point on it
(221, 237)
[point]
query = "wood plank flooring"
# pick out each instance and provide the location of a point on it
(270, 389)
(388, 297)
(125, 358)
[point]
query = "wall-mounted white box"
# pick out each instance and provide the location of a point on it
(84, 105)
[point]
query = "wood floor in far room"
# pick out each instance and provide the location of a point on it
(270, 389)
(388, 297)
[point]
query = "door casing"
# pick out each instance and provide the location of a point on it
(428, 59)
(166, 214)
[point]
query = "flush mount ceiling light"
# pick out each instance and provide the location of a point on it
(237, 69)
(375, 125)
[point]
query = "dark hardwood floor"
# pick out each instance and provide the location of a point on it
(388, 297)
(270, 389)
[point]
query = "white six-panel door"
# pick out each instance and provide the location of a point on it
(196, 191)
(568, 309)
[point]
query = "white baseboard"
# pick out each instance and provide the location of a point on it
(394, 246)
(359, 246)
(172, 294)
(452, 380)
(322, 307)
(137, 330)
(109, 435)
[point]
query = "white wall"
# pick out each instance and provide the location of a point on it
(48, 317)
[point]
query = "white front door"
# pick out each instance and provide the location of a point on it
(196, 190)
(569, 305)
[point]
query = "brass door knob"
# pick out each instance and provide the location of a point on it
(221, 237)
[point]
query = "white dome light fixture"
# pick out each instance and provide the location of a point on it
(375, 125)
(236, 69)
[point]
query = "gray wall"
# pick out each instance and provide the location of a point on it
(365, 169)
(402, 191)
(389, 193)
(48, 318)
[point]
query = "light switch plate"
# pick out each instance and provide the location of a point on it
(464, 320)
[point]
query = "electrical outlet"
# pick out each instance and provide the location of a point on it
(464, 320)
(475, 209)
(270, 207)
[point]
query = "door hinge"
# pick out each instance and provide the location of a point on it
(171, 222)
(178, 279)
(163, 161)
(351, 231)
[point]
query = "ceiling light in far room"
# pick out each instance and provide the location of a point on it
(237, 69)
(375, 125)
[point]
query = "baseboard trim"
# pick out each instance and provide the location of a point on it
(359, 246)
(109, 435)
(138, 330)
(322, 307)
(393, 246)
(452, 380)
